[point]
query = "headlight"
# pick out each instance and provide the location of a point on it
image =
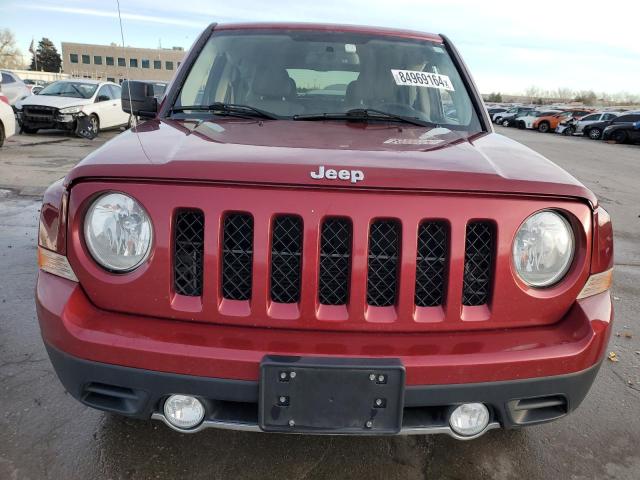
(118, 232)
(543, 249)
(68, 110)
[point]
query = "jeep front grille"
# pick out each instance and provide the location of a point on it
(384, 248)
(388, 264)
(478, 263)
(286, 261)
(237, 256)
(188, 246)
(335, 261)
(431, 263)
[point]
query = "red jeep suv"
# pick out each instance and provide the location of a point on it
(316, 231)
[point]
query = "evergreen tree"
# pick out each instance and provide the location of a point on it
(46, 58)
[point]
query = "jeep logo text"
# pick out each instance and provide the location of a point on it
(330, 174)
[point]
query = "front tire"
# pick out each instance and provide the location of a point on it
(505, 123)
(2, 137)
(94, 125)
(595, 134)
(544, 127)
(619, 137)
(569, 131)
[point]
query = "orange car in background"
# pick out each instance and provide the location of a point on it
(549, 123)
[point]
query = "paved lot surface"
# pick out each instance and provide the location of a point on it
(44, 433)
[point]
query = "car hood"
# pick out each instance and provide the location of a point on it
(54, 101)
(390, 156)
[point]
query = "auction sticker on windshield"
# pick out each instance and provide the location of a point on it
(422, 79)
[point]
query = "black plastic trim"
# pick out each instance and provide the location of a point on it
(145, 390)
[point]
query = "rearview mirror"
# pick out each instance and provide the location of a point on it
(138, 99)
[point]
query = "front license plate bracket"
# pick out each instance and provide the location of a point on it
(331, 395)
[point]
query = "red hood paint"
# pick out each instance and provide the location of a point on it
(392, 156)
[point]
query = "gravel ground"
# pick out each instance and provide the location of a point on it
(44, 433)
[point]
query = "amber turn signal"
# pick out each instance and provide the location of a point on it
(597, 283)
(55, 264)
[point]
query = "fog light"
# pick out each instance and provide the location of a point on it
(183, 411)
(469, 419)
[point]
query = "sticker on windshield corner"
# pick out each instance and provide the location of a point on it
(422, 79)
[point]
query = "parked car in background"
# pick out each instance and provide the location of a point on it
(35, 85)
(7, 119)
(623, 129)
(548, 123)
(594, 131)
(511, 113)
(13, 87)
(60, 104)
(587, 125)
(493, 110)
(526, 120)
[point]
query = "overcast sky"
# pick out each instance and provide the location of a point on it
(509, 45)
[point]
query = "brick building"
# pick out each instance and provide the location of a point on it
(115, 63)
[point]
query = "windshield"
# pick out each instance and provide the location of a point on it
(70, 89)
(294, 73)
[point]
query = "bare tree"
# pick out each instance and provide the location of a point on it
(533, 92)
(564, 94)
(10, 55)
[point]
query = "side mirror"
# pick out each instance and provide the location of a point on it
(138, 99)
(102, 98)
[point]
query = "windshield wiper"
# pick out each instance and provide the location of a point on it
(365, 114)
(222, 108)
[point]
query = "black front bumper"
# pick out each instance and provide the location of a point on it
(233, 404)
(55, 121)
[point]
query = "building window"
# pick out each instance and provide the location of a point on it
(157, 64)
(97, 60)
(109, 61)
(133, 62)
(145, 63)
(73, 57)
(111, 79)
(86, 59)
(122, 62)
(168, 65)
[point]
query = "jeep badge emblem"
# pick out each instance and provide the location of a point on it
(330, 174)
